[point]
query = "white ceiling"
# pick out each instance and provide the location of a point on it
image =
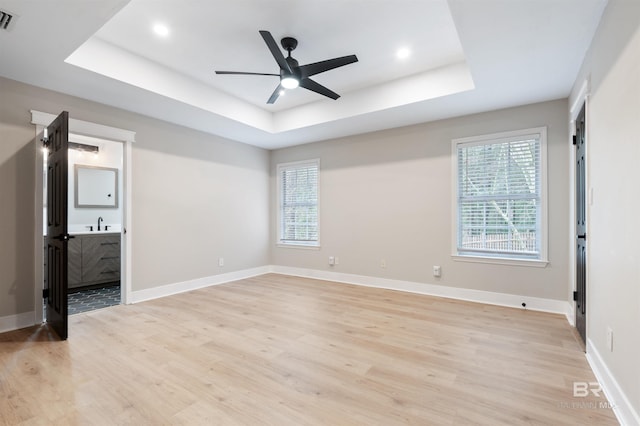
(467, 56)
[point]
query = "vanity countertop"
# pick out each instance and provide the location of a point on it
(84, 229)
(101, 232)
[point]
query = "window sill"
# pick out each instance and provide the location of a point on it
(298, 246)
(532, 263)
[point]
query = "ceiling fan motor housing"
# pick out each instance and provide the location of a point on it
(295, 68)
(289, 43)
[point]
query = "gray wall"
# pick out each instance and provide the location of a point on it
(388, 195)
(613, 149)
(17, 206)
(196, 197)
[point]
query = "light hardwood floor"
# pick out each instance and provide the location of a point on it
(279, 350)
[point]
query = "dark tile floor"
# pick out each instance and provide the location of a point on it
(95, 298)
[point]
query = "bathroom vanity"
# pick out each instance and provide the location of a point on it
(94, 258)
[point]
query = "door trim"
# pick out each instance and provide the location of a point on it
(581, 97)
(85, 128)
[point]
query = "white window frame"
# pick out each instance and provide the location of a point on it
(542, 259)
(279, 170)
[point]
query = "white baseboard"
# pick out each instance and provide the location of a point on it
(501, 299)
(571, 313)
(181, 287)
(622, 407)
(15, 322)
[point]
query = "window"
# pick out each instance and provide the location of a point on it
(298, 203)
(501, 195)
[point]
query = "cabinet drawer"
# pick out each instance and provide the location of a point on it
(101, 246)
(100, 275)
(105, 268)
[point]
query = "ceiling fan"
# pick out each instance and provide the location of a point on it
(293, 75)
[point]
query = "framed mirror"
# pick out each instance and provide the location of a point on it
(96, 187)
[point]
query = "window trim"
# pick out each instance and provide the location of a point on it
(286, 243)
(542, 260)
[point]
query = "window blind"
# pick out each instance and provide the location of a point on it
(499, 197)
(299, 203)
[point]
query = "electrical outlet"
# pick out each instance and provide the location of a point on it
(332, 260)
(610, 339)
(437, 271)
(383, 264)
(221, 261)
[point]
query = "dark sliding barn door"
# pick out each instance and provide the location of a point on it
(580, 295)
(57, 232)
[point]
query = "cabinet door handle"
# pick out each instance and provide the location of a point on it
(109, 244)
(109, 257)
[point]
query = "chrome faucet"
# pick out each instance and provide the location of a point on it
(100, 219)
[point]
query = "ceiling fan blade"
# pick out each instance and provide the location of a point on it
(276, 94)
(322, 66)
(275, 51)
(309, 84)
(244, 73)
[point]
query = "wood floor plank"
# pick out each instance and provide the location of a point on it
(282, 350)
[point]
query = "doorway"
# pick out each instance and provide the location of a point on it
(113, 223)
(95, 220)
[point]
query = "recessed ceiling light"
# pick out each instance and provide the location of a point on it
(403, 53)
(161, 30)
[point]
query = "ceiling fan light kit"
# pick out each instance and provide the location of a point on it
(289, 82)
(292, 74)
